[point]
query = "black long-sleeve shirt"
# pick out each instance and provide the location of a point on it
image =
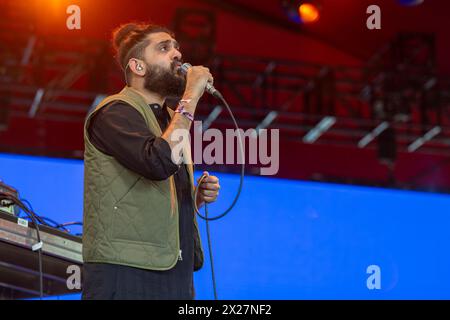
(120, 131)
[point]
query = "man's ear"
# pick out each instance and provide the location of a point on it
(137, 66)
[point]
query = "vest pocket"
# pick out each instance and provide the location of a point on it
(142, 215)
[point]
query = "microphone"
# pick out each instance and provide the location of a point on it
(209, 87)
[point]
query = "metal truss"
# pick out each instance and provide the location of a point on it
(399, 88)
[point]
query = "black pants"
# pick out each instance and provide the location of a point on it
(103, 281)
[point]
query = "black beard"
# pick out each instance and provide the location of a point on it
(167, 83)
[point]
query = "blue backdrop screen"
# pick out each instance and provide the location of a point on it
(289, 239)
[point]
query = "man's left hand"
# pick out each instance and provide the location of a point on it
(208, 189)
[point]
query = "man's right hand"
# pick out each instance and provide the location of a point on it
(196, 79)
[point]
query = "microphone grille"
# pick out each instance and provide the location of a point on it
(184, 67)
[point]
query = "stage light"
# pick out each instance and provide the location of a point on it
(301, 12)
(323, 126)
(271, 116)
(425, 138)
(36, 103)
(372, 135)
(308, 13)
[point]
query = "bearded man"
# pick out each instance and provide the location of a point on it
(140, 234)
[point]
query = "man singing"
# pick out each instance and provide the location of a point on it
(140, 234)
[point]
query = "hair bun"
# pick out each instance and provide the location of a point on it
(122, 32)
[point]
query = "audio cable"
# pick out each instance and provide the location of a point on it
(206, 217)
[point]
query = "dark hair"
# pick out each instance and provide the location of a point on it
(129, 40)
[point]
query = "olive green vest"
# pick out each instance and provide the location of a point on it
(129, 219)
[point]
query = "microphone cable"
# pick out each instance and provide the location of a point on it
(206, 217)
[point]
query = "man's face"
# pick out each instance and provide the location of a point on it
(163, 61)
